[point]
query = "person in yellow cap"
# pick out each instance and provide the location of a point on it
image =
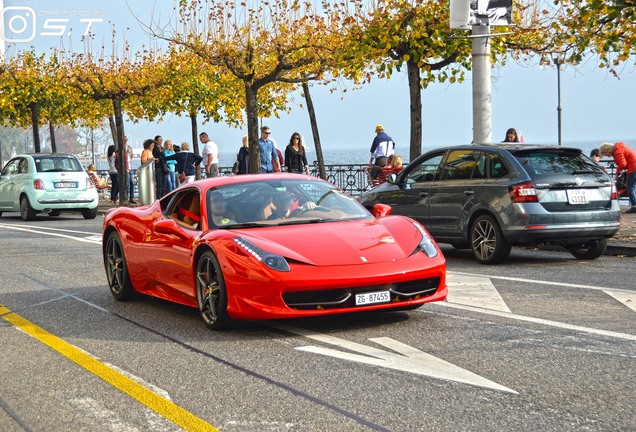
(382, 147)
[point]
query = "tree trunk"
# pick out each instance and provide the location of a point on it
(314, 130)
(119, 143)
(36, 127)
(52, 135)
(415, 92)
(251, 103)
(195, 140)
(113, 129)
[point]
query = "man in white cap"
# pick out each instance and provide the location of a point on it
(382, 147)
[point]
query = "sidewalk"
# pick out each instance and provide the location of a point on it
(622, 244)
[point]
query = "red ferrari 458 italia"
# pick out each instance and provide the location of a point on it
(270, 246)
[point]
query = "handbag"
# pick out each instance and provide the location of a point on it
(235, 167)
(182, 175)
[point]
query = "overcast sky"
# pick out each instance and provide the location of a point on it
(596, 105)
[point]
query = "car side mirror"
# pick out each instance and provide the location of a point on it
(392, 178)
(381, 210)
(169, 227)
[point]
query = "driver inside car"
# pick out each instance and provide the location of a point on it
(218, 210)
(286, 205)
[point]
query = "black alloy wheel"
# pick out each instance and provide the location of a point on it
(588, 250)
(211, 293)
(26, 211)
(487, 242)
(117, 269)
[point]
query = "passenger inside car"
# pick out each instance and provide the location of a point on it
(186, 211)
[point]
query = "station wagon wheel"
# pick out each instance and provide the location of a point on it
(211, 293)
(117, 269)
(588, 250)
(487, 242)
(26, 211)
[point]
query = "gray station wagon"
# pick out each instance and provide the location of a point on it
(490, 197)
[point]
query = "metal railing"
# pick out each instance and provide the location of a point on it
(352, 178)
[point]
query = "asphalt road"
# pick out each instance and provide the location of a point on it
(542, 342)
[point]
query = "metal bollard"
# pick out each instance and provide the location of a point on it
(146, 183)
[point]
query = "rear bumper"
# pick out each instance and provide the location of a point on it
(76, 201)
(563, 234)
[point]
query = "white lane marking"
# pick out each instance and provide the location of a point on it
(45, 228)
(542, 321)
(628, 299)
(474, 291)
(541, 282)
(102, 415)
(54, 234)
(402, 357)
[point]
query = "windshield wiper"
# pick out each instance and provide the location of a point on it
(303, 221)
(243, 225)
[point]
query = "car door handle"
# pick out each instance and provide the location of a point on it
(424, 194)
(469, 192)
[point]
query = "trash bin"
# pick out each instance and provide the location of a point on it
(146, 182)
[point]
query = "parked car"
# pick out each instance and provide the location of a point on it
(46, 183)
(263, 246)
(490, 197)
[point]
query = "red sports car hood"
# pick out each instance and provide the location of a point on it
(339, 243)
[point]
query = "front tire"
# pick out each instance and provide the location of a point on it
(589, 250)
(89, 213)
(211, 293)
(117, 269)
(26, 211)
(487, 242)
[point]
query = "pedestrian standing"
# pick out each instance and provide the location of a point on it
(186, 163)
(171, 177)
(625, 159)
(161, 169)
(382, 147)
(210, 155)
(511, 136)
(295, 155)
(269, 156)
(130, 173)
(243, 157)
(114, 176)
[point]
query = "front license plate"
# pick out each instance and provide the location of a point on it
(577, 196)
(65, 185)
(373, 297)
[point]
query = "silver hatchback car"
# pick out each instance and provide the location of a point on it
(46, 183)
(490, 197)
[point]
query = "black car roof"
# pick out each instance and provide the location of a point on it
(510, 147)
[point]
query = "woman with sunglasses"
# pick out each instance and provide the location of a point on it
(295, 155)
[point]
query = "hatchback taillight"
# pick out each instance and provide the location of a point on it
(614, 192)
(89, 184)
(523, 192)
(38, 184)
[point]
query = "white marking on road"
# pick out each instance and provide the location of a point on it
(102, 415)
(474, 291)
(54, 234)
(541, 282)
(628, 299)
(45, 228)
(542, 321)
(403, 358)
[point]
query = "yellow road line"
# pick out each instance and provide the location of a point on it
(160, 405)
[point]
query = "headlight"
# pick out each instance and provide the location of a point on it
(426, 244)
(273, 261)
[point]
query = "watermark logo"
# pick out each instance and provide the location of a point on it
(19, 24)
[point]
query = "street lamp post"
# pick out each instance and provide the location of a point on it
(557, 62)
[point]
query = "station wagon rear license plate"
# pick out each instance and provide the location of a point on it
(65, 185)
(577, 196)
(373, 297)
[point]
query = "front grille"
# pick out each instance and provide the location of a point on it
(345, 297)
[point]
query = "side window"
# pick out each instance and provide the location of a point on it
(11, 167)
(460, 165)
(186, 210)
(425, 170)
(497, 167)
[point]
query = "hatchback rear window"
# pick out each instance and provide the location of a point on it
(57, 164)
(540, 163)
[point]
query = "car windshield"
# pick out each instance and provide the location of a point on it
(545, 163)
(57, 164)
(280, 202)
